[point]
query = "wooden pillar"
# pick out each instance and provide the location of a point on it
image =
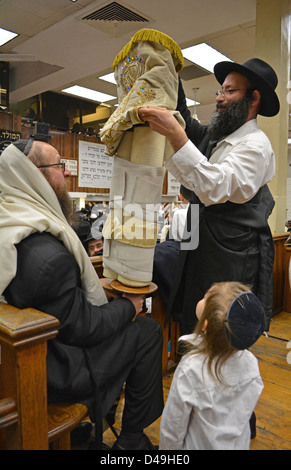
(272, 45)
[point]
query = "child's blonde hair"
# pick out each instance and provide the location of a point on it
(214, 343)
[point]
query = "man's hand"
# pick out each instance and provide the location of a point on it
(111, 295)
(137, 300)
(164, 122)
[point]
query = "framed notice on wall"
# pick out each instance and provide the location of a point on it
(173, 185)
(7, 137)
(71, 165)
(95, 168)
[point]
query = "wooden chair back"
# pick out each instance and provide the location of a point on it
(27, 422)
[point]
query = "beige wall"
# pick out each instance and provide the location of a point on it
(273, 46)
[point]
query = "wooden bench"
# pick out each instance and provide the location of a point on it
(27, 421)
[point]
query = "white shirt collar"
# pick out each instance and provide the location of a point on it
(243, 130)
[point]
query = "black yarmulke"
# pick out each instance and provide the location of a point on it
(246, 321)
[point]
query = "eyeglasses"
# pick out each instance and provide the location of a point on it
(62, 165)
(229, 91)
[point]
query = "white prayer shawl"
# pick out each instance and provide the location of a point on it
(28, 204)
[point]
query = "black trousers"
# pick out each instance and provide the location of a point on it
(144, 387)
(134, 358)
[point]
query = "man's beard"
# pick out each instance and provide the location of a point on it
(66, 205)
(63, 198)
(230, 119)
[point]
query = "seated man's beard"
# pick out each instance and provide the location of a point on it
(230, 119)
(63, 198)
(66, 205)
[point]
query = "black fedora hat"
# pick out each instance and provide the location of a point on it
(261, 75)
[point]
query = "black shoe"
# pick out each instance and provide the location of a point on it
(81, 434)
(143, 444)
(253, 426)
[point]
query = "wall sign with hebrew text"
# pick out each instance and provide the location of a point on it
(95, 168)
(7, 137)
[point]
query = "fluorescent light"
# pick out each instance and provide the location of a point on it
(106, 105)
(88, 93)
(204, 55)
(109, 77)
(190, 102)
(6, 36)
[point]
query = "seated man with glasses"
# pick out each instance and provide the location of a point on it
(227, 166)
(61, 166)
(100, 345)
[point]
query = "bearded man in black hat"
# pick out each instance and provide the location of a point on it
(227, 166)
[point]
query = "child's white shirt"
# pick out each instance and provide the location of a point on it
(203, 414)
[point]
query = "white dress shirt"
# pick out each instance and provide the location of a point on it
(178, 223)
(239, 165)
(203, 414)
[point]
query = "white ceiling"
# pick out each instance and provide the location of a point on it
(70, 51)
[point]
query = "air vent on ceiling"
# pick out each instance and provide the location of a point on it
(115, 12)
(115, 19)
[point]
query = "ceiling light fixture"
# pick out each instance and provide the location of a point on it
(88, 93)
(203, 55)
(109, 77)
(190, 102)
(6, 36)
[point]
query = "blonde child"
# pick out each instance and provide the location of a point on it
(217, 383)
